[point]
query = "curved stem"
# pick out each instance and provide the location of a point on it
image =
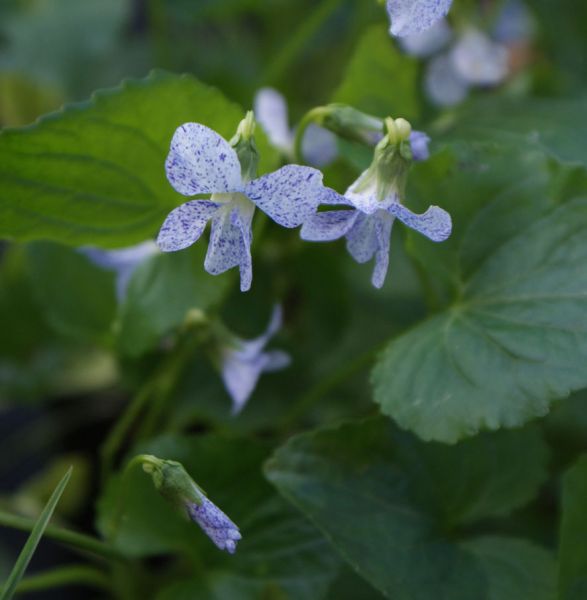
(64, 576)
(309, 118)
(78, 541)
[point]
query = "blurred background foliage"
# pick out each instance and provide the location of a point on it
(72, 358)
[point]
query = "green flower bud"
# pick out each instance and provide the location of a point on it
(244, 144)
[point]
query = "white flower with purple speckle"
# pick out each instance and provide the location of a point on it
(243, 362)
(409, 17)
(200, 161)
(123, 262)
(375, 204)
(215, 524)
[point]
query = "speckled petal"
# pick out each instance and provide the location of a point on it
(215, 524)
(427, 42)
(328, 226)
(202, 162)
(366, 199)
(435, 223)
(289, 196)
(413, 16)
(361, 240)
(230, 243)
(383, 224)
(185, 224)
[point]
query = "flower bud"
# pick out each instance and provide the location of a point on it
(174, 483)
(244, 144)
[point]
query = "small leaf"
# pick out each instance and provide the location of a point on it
(33, 540)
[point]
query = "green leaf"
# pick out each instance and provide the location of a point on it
(94, 173)
(555, 127)
(33, 540)
(573, 533)
(510, 344)
(356, 484)
(380, 80)
(515, 569)
(280, 552)
(76, 296)
(161, 292)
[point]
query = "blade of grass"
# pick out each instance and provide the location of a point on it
(27, 552)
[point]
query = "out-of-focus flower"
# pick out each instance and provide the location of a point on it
(242, 362)
(409, 17)
(318, 146)
(202, 162)
(474, 58)
(375, 202)
(123, 262)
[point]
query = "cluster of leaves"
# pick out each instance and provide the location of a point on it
(456, 467)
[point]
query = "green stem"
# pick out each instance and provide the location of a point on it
(334, 380)
(116, 437)
(64, 576)
(168, 380)
(78, 541)
(297, 41)
(309, 118)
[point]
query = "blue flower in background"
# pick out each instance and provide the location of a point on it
(243, 361)
(202, 162)
(318, 146)
(375, 204)
(414, 16)
(123, 262)
(215, 524)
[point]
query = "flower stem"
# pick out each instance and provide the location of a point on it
(78, 541)
(307, 120)
(64, 576)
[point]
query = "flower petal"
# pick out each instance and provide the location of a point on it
(419, 143)
(479, 60)
(444, 86)
(215, 524)
(185, 224)
(383, 224)
(249, 349)
(202, 162)
(412, 16)
(361, 240)
(270, 110)
(289, 196)
(230, 243)
(240, 376)
(328, 226)
(319, 146)
(276, 360)
(435, 223)
(366, 199)
(428, 42)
